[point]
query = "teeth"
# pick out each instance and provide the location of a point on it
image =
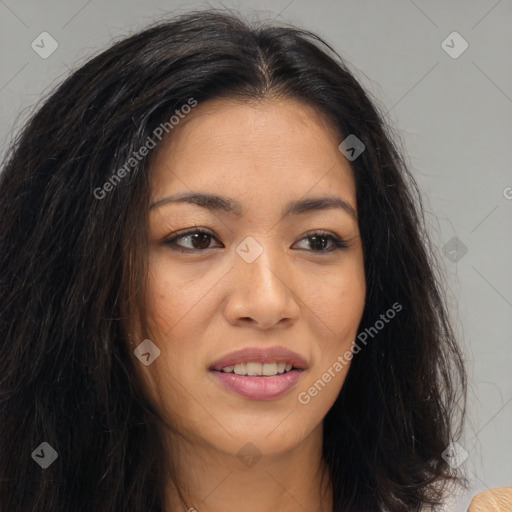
(240, 369)
(254, 368)
(269, 369)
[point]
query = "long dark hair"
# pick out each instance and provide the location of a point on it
(73, 269)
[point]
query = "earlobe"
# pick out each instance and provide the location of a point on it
(492, 500)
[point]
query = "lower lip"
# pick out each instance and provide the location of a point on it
(259, 387)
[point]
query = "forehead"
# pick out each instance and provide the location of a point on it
(278, 144)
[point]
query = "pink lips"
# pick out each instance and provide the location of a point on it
(258, 387)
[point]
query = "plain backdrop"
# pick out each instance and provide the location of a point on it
(450, 104)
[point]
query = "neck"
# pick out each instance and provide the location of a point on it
(213, 481)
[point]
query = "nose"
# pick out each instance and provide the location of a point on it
(263, 291)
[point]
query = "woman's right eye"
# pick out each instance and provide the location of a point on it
(199, 240)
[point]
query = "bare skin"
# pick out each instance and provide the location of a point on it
(208, 301)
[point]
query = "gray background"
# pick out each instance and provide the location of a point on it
(452, 114)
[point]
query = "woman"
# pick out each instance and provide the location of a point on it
(217, 289)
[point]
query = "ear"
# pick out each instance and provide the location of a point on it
(492, 500)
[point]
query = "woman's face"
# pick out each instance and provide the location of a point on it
(262, 286)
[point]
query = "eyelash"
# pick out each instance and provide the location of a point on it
(339, 243)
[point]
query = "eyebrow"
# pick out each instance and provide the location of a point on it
(218, 203)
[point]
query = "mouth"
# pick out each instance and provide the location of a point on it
(259, 374)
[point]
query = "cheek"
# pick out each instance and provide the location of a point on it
(172, 294)
(173, 305)
(338, 303)
(338, 309)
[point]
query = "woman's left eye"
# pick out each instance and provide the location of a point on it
(317, 240)
(201, 239)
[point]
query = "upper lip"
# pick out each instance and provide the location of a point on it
(260, 355)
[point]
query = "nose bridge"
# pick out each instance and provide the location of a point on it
(261, 261)
(263, 279)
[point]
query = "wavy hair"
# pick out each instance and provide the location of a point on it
(73, 268)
